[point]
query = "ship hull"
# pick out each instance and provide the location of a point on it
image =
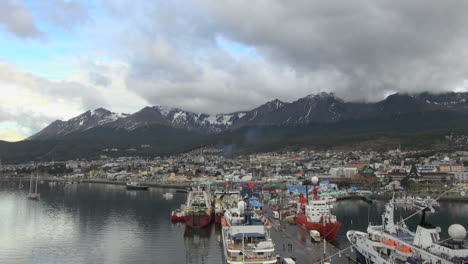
(133, 187)
(361, 259)
(197, 221)
(327, 231)
(177, 217)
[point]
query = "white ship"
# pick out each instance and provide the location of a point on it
(224, 201)
(246, 237)
(395, 243)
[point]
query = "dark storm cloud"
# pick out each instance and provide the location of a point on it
(377, 46)
(361, 50)
(16, 18)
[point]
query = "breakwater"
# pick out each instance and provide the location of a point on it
(177, 186)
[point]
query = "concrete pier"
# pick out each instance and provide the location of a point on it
(293, 241)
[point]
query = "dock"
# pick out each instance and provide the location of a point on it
(293, 241)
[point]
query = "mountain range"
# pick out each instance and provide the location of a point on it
(323, 108)
(320, 121)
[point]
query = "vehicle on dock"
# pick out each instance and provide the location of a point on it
(315, 236)
(276, 214)
(289, 261)
(291, 219)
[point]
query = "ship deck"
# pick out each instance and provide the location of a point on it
(400, 235)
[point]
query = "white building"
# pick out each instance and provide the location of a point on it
(343, 172)
(461, 176)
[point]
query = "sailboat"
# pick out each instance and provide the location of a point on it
(33, 195)
(20, 186)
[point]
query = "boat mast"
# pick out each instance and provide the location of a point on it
(37, 178)
(243, 248)
(30, 183)
(324, 230)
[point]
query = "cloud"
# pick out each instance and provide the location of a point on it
(66, 14)
(30, 103)
(4, 116)
(99, 79)
(360, 50)
(224, 56)
(377, 47)
(17, 19)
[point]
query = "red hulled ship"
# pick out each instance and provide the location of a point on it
(316, 215)
(199, 209)
(178, 215)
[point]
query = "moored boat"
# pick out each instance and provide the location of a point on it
(316, 215)
(394, 243)
(178, 215)
(246, 237)
(199, 209)
(168, 195)
(134, 185)
(225, 201)
(33, 195)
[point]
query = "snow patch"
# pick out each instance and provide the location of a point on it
(255, 115)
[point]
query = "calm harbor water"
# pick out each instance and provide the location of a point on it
(99, 223)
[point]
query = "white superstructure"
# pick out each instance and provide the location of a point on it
(246, 237)
(395, 243)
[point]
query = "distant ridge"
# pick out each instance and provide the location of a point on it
(322, 108)
(320, 121)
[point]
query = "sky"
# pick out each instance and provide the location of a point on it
(59, 58)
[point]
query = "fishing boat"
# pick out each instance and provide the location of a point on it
(421, 203)
(168, 196)
(316, 214)
(246, 236)
(178, 215)
(218, 206)
(20, 186)
(134, 185)
(33, 195)
(394, 243)
(224, 201)
(198, 209)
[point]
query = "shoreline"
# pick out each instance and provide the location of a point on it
(151, 184)
(179, 186)
(184, 186)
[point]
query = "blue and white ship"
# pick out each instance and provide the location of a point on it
(395, 243)
(246, 235)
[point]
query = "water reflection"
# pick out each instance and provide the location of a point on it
(98, 223)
